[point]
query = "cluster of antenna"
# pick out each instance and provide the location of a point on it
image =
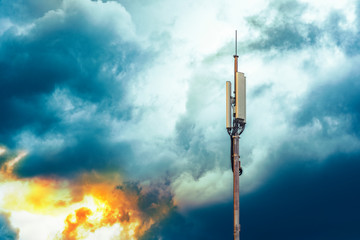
(236, 106)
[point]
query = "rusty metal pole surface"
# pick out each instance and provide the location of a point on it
(236, 160)
(236, 187)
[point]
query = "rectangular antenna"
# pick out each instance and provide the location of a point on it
(240, 97)
(228, 104)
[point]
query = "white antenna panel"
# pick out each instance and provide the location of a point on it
(228, 104)
(240, 96)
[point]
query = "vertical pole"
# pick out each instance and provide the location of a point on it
(236, 158)
(235, 70)
(235, 60)
(236, 187)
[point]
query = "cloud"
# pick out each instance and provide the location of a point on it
(309, 194)
(314, 199)
(280, 28)
(295, 57)
(64, 84)
(291, 25)
(205, 222)
(23, 11)
(213, 187)
(98, 86)
(7, 232)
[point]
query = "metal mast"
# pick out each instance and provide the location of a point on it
(237, 106)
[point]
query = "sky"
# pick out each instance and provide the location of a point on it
(112, 119)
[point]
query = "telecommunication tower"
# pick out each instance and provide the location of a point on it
(235, 125)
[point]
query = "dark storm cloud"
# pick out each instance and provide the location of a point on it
(190, 140)
(7, 232)
(156, 202)
(285, 31)
(195, 136)
(261, 90)
(174, 226)
(151, 197)
(203, 223)
(67, 55)
(328, 111)
(23, 10)
(306, 200)
(89, 150)
(338, 100)
(302, 200)
(346, 39)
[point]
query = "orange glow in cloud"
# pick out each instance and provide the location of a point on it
(8, 167)
(90, 207)
(2, 150)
